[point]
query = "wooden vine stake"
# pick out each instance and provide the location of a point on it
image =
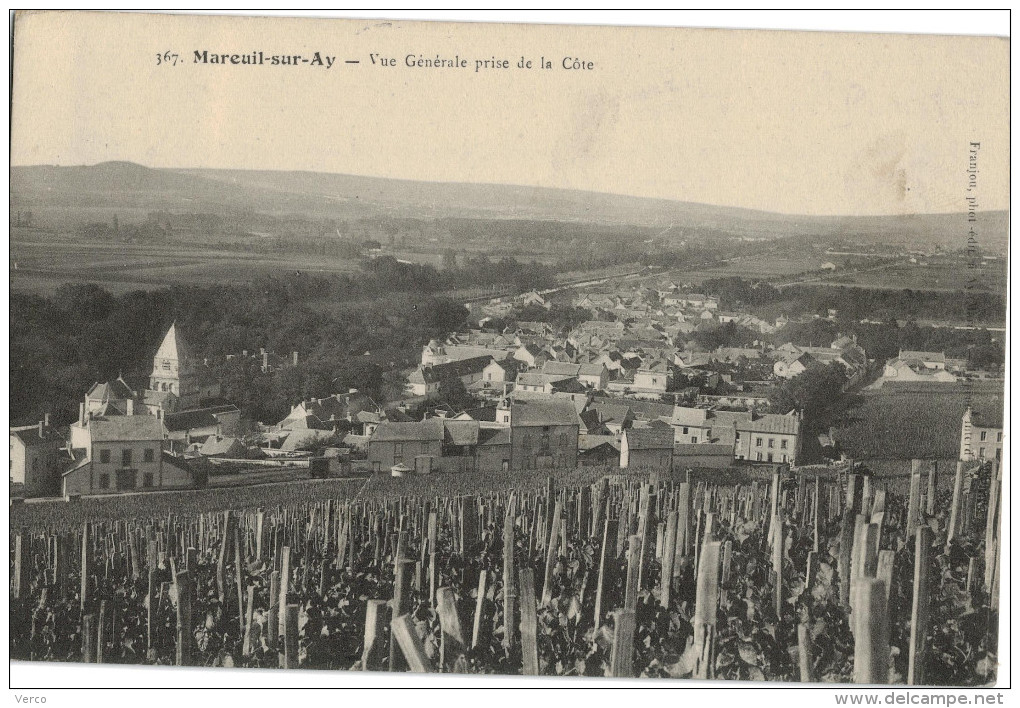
(551, 554)
(804, 653)
(954, 513)
(476, 627)
(290, 637)
(871, 632)
(410, 645)
(185, 626)
(668, 557)
(914, 505)
(992, 529)
(706, 605)
(529, 623)
(452, 643)
(622, 657)
(606, 558)
(509, 586)
(374, 613)
(919, 611)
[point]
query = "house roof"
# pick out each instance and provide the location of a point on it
(684, 416)
(590, 420)
(510, 367)
(922, 356)
(569, 385)
(534, 412)
(220, 446)
(126, 428)
(987, 414)
(618, 412)
(486, 413)
(493, 436)
(560, 368)
(430, 430)
(652, 438)
(29, 435)
(461, 432)
(702, 449)
(339, 406)
(590, 442)
(771, 423)
(116, 389)
(531, 379)
(197, 418)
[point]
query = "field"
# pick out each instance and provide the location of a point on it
(583, 575)
(41, 264)
(759, 266)
(920, 421)
(947, 275)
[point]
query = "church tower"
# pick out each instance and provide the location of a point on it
(173, 369)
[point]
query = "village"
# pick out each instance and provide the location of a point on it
(634, 386)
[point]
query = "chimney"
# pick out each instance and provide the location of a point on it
(294, 357)
(41, 428)
(265, 360)
(46, 420)
(244, 353)
(262, 351)
(81, 414)
(130, 406)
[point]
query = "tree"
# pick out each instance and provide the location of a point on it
(814, 392)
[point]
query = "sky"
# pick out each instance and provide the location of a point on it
(792, 122)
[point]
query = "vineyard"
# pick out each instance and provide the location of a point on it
(799, 577)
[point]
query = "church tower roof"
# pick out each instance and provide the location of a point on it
(173, 346)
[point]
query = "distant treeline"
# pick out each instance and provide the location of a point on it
(977, 307)
(346, 336)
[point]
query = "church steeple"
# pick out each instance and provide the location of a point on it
(172, 367)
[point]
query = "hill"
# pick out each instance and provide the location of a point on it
(68, 195)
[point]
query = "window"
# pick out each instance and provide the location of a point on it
(981, 453)
(685, 430)
(758, 457)
(104, 456)
(125, 457)
(998, 453)
(166, 365)
(150, 454)
(694, 438)
(738, 435)
(784, 459)
(544, 445)
(147, 479)
(757, 443)
(782, 446)
(772, 443)
(104, 481)
(984, 435)
(998, 438)
(770, 457)
(126, 479)
(398, 452)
